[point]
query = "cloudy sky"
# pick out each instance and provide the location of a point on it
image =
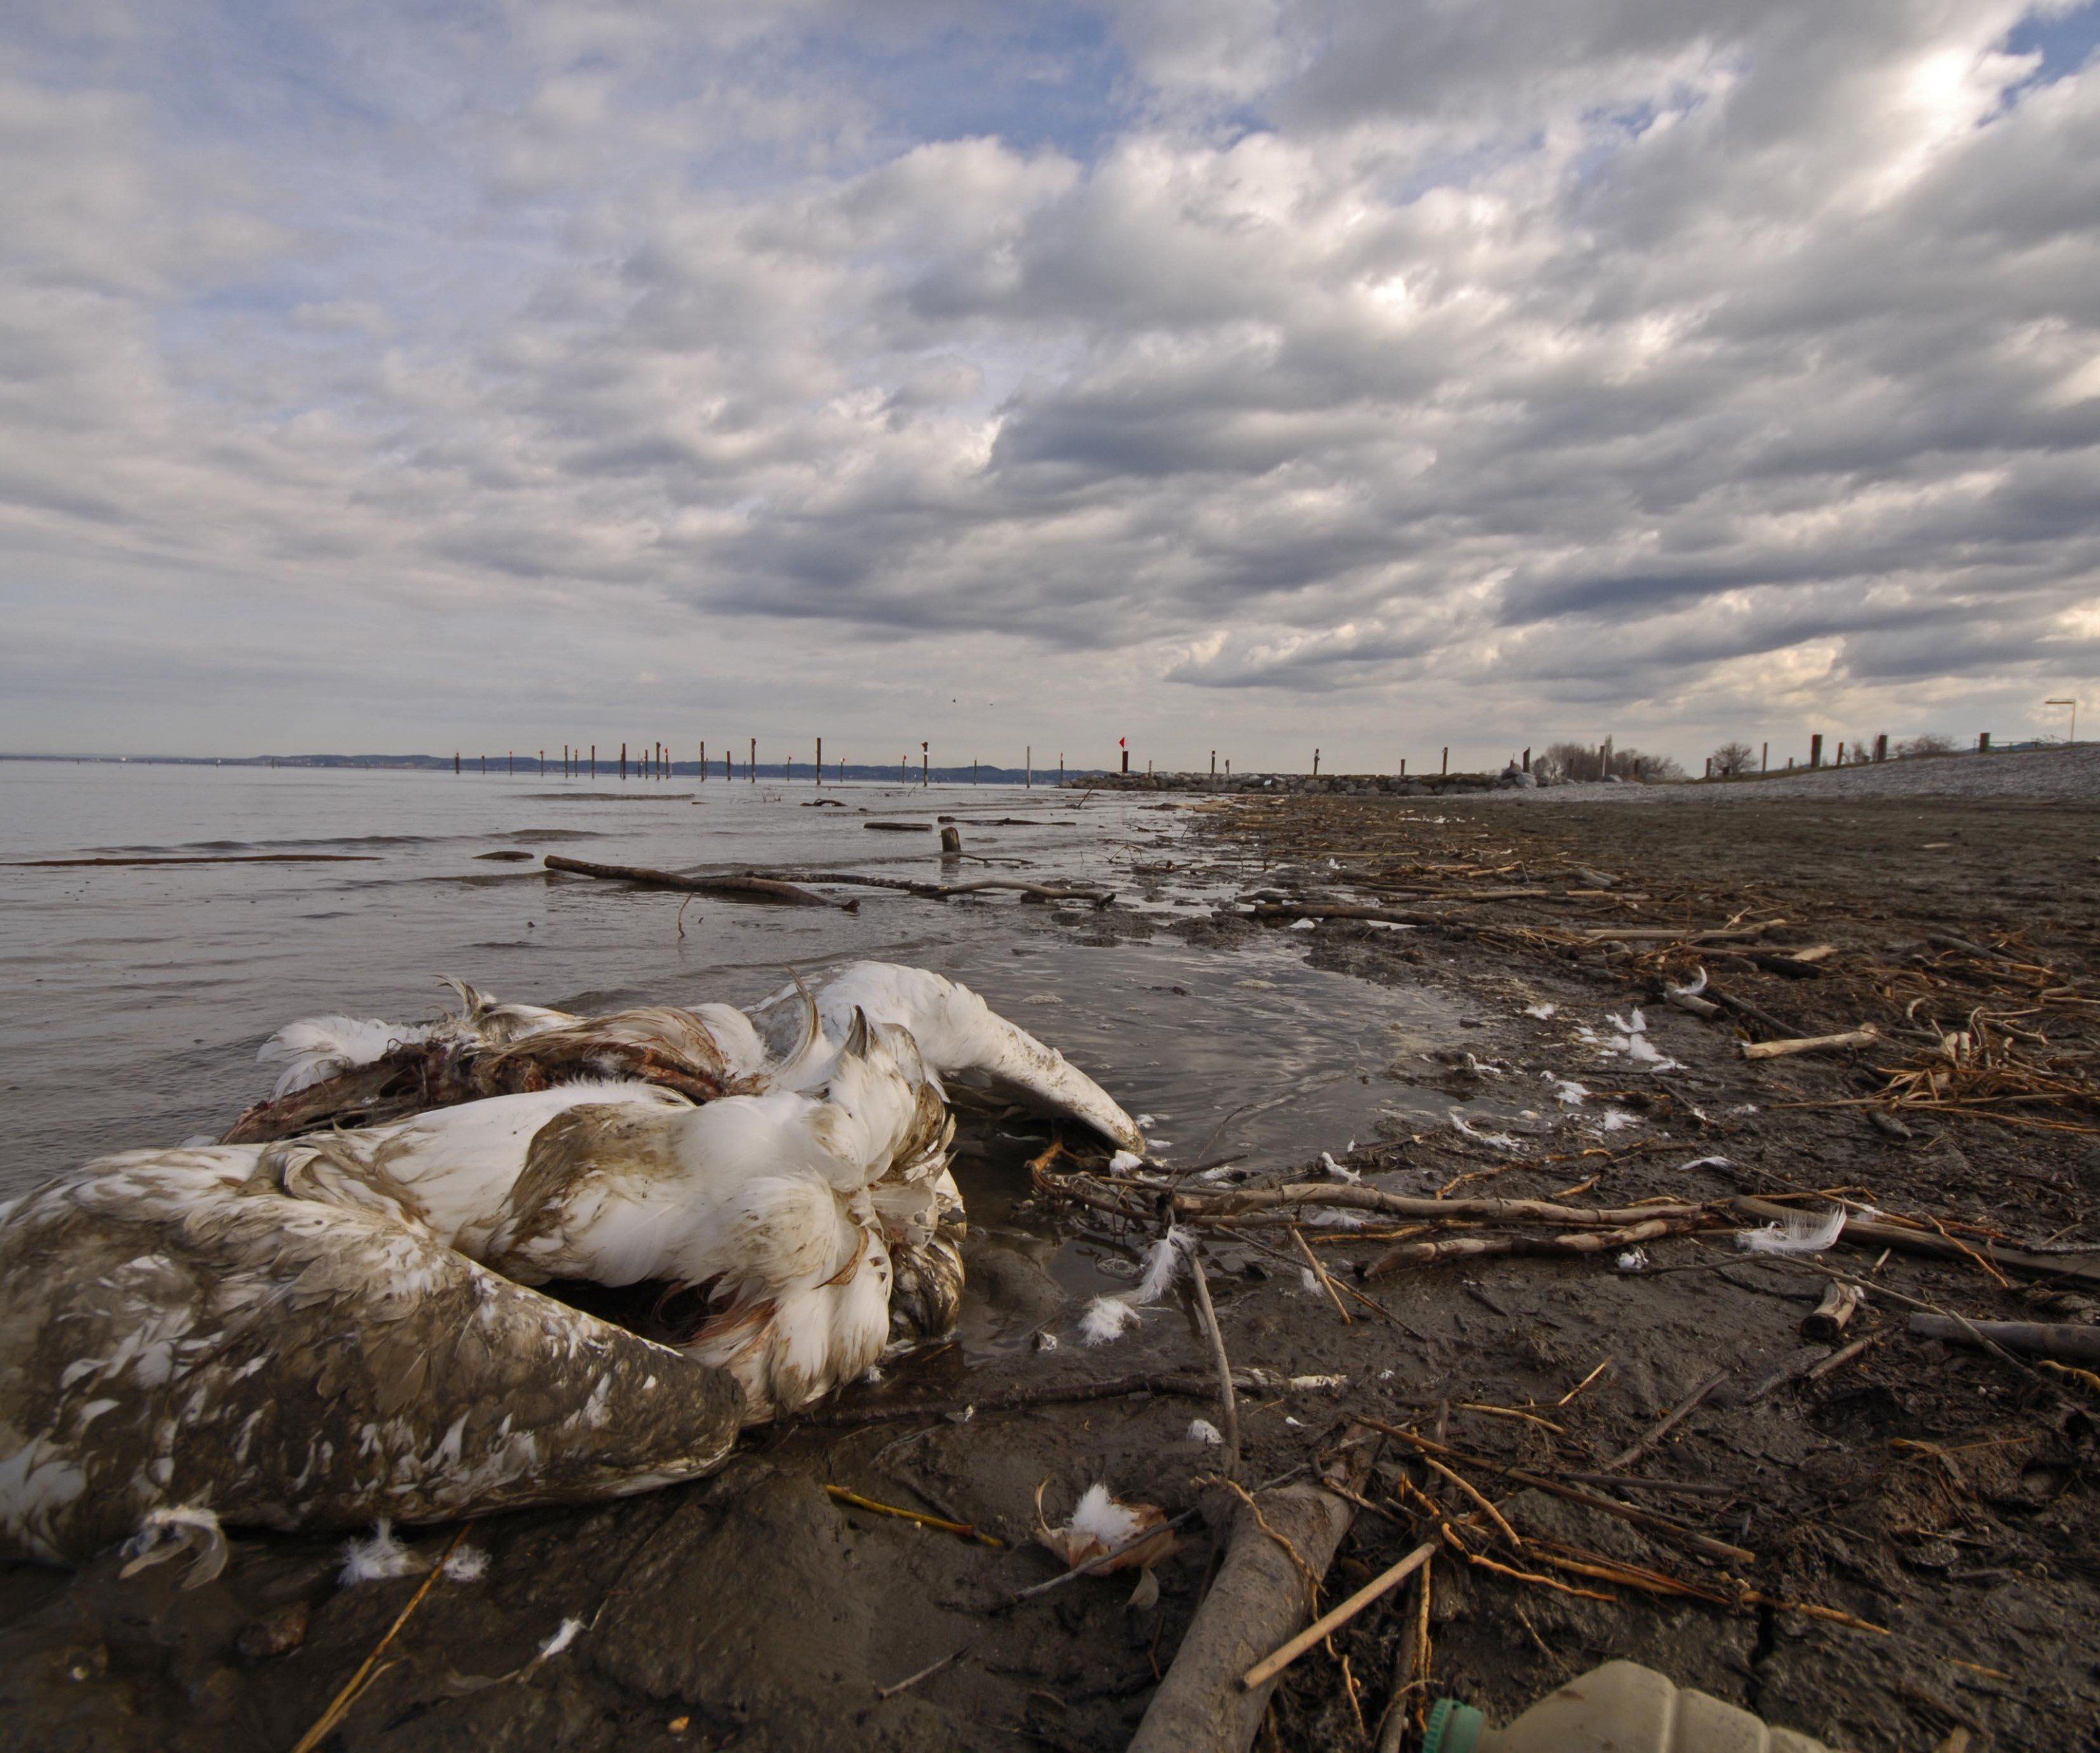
(1246, 374)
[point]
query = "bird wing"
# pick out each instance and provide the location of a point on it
(172, 1333)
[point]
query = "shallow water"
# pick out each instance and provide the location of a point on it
(133, 998)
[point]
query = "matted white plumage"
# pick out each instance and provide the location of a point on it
(805, 1221)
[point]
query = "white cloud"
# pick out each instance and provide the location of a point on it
(1405, 372)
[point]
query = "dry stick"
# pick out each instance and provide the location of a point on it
(1517, 1476)
(1804, 1044)
(967, 1530)
(1838, 1359)
(1370, 1303)
(1675, 1416)
(750, 887)
(1680, 1487)
(1609, 1359)
(1275, 1663)
(1228, 1407)
(1320, 1273)
(1244, 1199)
(339, 1706)
(1406, 1659)
(1072, 1393)
(1561, 1242)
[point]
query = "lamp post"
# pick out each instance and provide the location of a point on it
(2073, 705)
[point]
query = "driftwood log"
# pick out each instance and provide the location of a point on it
(2068, 1340)
(747, 886)
(1261, 1596)
(1840, 1302)
(935, 891)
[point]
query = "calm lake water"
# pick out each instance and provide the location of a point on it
(133, 998)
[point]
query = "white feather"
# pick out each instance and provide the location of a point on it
(315, 1048)
(1099, 1515)
(377, 1558)
(1800, 1233)
(468, 1564)
(1105, 1318)
(563, 1636)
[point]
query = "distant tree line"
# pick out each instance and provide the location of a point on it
(1733, 759)
(1580, 761)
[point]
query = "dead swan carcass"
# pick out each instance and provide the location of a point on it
(340, 1070)
(179, 1341)
(313, 1332)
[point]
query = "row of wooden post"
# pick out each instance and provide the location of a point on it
(657, 762)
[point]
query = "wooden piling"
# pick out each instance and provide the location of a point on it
(593, 760)
(925, 769)
(751, 767)
(1029, 783)
(1316, 763)
(703, 760)
(1447, 757)
(455, 763)
(820, 762)
(1764, 758)
(1815, 749)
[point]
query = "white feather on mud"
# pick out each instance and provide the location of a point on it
(1799, 1232)
(1109, 1317)
(1493, 1141)
(377, 1557)
(1099, 1524)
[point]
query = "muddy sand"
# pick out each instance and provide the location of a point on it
(1927, 1511)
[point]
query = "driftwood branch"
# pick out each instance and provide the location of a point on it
(1229, 1410)
(2045, 1339)
(1282, 1540)
(745, 887)
(1225, 1205)
(1840, 1302)
(1561, 1242)
(1801, 1043)
(1669, 1422)
(1187, 1387)
(1864, 1232)
(936, 891)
